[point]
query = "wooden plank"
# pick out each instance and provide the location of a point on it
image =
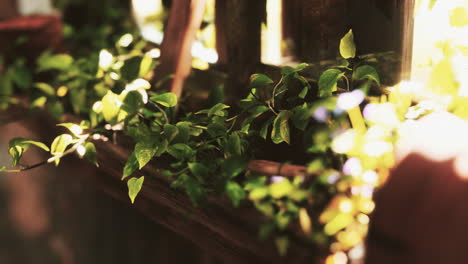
(184, 20)
(407, 27)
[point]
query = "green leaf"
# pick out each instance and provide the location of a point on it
(216, 95)
(198, 170)
(90, 153)
(131, 68)
(282, 220)
(134, 187)
(130, 166)
(145, 66)
(144, 152)
(56, 110)
(259, 193)
(161, 147)
(45, 88)
(111, 104)
(132, 103)
(347, 46)
(22, 77)
(258, 110)
(165, 99)
(234, 166)
(328, 82)
(39, 102)
(194, 190)
(217, 110)
(76, 130)
(47, 62)
(432, 3)
(235, 192)
(17, 146)
(281, 188)
(216, 129)
(181, 151)
(264, 130)
(59, 145)
(303, 92)
(2, 168)
(259, 80)
(300, 117)
(282, 244)
(233, 145)
(280, 132)
(366, 72)
(170, 132)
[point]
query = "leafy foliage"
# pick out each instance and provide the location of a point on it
(207, 152)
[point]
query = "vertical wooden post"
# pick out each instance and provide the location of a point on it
(407, 27)
(184, 20)
(238, 36)
(8, 9)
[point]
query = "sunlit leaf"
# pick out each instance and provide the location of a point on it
(17, 146)
(39, 102)
(235, 193)
(144, 152)
(74, 128)
(259, 80)
(165, 99)
(45, 88)
(328, 82)
(111, 104)
(305, 221)
(347, 46)
(217, 110)
(48, 61)
(280, 189)
(134, 187)
(59, 145)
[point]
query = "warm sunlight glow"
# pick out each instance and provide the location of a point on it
(272, 34)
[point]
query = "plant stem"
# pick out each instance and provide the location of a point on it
(274, 92)
(161, 110)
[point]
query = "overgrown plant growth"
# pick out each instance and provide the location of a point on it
(207, 152)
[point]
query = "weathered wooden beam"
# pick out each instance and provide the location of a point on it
(238, 41)
(184, 20)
